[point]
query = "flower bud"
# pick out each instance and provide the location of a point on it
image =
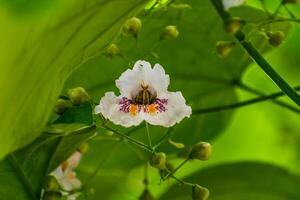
(233, 25)
(170, 32)
(200, 193)
(158, 160)
(132, 26)
(201, 151)
(290, 1)
(52, 196)
(51, 184)
(146, 195)
(275, 38)
(62, 105)
(84, 147)
(112, 50)
(224, 48)
(78, 96)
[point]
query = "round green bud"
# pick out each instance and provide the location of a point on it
(170, 32)
(112, 50)
(290, 1)
(78, 96)
(132, 26)
(201, 151)
(146, 195)
(51, 184)
(275, 38)
(84, 147)
(233, 25)
(224, 48)
(200, 193)
(62, 105)
(158, 160)
(52, 196)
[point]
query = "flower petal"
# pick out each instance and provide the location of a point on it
(232, 3)
(130, 81)
(159, 80)
(74, 160)
(109, 107)
(62, 179)
(176, 110)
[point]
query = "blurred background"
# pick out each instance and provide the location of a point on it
(48, 47)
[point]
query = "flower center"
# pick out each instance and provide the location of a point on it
(144, 101)
(144, 97)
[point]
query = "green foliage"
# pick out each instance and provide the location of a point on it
(38, 54)
(243, 180)
(80, 43)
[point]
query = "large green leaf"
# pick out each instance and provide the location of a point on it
(38, 53)
(242, 181)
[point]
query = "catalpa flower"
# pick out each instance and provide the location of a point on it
(232, 3)
(144, 96)
(65, 175)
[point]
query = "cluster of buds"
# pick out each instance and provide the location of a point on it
(76, 96)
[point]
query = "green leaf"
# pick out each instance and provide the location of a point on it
(22, 172)
(39, 53)
(247, 181)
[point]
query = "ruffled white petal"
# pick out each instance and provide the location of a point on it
(232, 3)
(176, 110)
(130, 81)
(110, 109)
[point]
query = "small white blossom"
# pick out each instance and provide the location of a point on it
(232, 3)
(144, 96)
(65, 175)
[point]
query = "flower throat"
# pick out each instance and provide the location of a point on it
(144, 97)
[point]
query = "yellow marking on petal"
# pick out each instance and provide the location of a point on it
(133, 110)
(152, 109)
(70, 175)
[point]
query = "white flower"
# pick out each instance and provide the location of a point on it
(232, 3)
(144, 96)
(65, 175)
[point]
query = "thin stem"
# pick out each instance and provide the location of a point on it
(99, 167)
(129, 139)
(278, 20)
(179, 180)
(176, 169)
(21, 175)
(183, 182)
(148, 135)
(277, 10)
(290, 12)
(164, 137)
(278, 102)
(257, 57)
(239, 104)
